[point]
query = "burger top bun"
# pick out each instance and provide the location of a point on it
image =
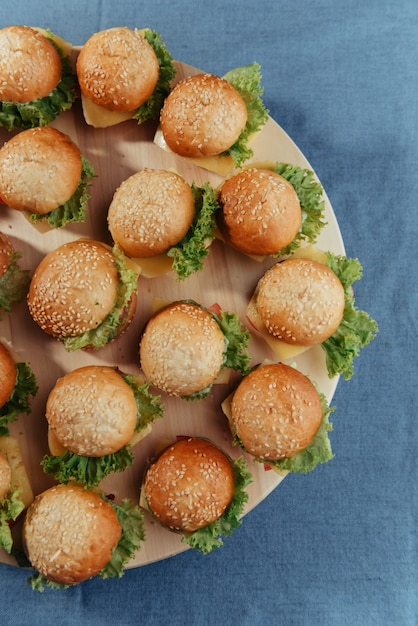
(92, 411)
(30, 65)
(276, 411)
(6, 252)
(300, 301)
(73, 288)
(8, 374)
(190, 485)
(151, 211)
(117, 69)
(260, 213)
(5, 475)
(182, 349)
(40, 170)
(69, 533)
(202, 116)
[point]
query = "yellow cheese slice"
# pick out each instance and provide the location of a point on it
(151, 267)
(98, 117)
(19, 476)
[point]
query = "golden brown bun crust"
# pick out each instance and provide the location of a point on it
(40, 170)
(30, 65)
(73, 288)
(6, 252)
(182, 349)
(276, 411)
(202, 116)
(5, 475)
(8, 374)
(300, 301)
(117, 69)
(151, 211)
(261, 212)
(69, 533)
(92, 411)
(190, 485)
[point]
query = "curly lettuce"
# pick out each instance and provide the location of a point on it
(14, 284)
(247, 81)
(74, 210)
(150, 110)
(10, 509)
(19, 401)
(189, 253)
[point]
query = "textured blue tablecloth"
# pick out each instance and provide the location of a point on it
(339, 546)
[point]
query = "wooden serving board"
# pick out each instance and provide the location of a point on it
(228, 278)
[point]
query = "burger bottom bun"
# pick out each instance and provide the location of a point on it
(8, 374)
(260, 213)
(182, 349)
(69, 533)
(92, 411)
(40, 169)
(300, 301)
(202, 116)
(151, 211)
(276, 411)
(5, 475)
(190, 485)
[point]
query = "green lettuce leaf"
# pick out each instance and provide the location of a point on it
(108, 329)
(310, 194)
(150, 110)
(149, 406)
(19, 401)
(133, 533)
(86, 470)
(10, 509)
(14, 284)
(74, 210)
(210, 537)
(43, 111)
(188, 253)
(247, 81)
(357, 328)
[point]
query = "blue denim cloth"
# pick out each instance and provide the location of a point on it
(337, 547)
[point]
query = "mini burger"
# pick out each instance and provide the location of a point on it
(71, 534)
(43, 173)
(301, 302)
(193, 488)
(123, 73)
(267, 211)
(17, 386)
(95, 415)
(38, 81)
(14, 281)
(160, 220)
(83, 294)
(210, 118)
(185, 346)
(15, 491)
(278, 416)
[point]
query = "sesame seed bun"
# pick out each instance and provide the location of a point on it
(6, 252)
(260, 212)
(40, 169)
(182, 349)
(30, 65)
(151, 211)
(69, 534)
(5, 475)
(73, 288)
(202, 116)
(276, 411)
(300, 301)
(190, 485)
(8, 374)
(92, 411)
(117, 69)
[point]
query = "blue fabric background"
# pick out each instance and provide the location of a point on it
(337, 547)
